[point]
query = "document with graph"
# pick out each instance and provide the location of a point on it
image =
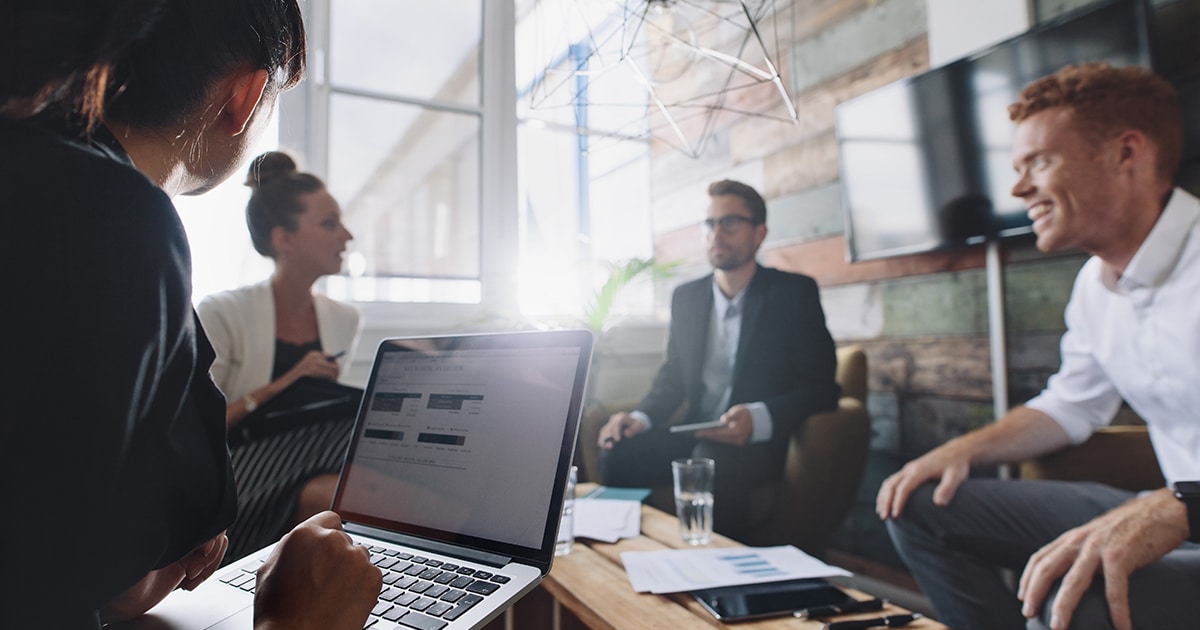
(677, 570)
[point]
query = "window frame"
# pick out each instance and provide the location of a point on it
(304, 130)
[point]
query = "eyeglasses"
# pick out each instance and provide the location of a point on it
(727, 223)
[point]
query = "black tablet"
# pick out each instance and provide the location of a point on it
(306, 401)
(770, 599)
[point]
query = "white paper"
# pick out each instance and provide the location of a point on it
(607, 520)
(676, 570)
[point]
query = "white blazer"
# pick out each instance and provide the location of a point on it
(241, 326)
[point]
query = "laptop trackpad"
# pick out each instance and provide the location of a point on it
(244, 620)
(212, 605)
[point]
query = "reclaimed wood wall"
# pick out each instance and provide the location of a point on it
(922, 319)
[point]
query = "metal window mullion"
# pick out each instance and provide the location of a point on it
(442, 106)
(497, 114)
(304, 111)
(498, 163)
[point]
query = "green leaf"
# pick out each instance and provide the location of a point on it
(621, 275)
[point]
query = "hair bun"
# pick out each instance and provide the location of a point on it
(269, 166)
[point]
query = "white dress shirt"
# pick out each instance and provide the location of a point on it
(1137, 338)
(724, 333)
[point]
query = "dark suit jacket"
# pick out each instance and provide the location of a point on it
(785, 356)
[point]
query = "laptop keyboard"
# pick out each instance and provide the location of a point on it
(418, 592)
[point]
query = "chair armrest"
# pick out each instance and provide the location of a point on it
(1120, 456)
(825, 465)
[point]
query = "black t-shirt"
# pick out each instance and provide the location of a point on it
(112, 435)
(288, 354)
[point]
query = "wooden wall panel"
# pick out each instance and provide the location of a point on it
(945, 303)
(955, 367)
(813, 214)
(1037, 292)
(681, 193)
(925, 391)
(672, 170)
(853, 311)
(926, 423)
(884, 409)
(919, 295)
(831, 52)
(910, 425)
(1050, 9)
(825, 260)
(800, 167)
(814, 16)
(755, 137)
(938, 366)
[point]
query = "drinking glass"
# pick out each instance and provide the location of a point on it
(694, 498)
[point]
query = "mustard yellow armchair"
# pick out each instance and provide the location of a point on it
(825, 464)
(1120, 456)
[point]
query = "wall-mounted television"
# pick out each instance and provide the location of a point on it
(925, 161)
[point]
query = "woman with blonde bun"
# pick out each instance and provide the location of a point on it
(270, 334)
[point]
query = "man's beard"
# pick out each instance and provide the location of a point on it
(732, 260)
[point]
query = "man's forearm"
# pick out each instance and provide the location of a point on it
(1021, 434)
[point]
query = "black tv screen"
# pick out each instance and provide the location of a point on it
(925, 161)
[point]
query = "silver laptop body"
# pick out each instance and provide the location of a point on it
(453, 477)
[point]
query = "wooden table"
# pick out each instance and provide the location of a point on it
(591, 583)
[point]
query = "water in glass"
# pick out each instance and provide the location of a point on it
(694, 510)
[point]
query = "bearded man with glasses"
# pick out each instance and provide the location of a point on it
(748, 349)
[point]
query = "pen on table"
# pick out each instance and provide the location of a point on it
(890, 621)
(831, 610)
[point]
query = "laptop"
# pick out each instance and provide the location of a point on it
(454, 478)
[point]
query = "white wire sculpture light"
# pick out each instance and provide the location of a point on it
(674, 71)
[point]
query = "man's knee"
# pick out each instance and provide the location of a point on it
(611, 469)
(917, 511)
(635, 462)
(919, 531)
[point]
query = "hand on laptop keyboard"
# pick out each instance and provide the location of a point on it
(201, 563)
(317, 578)
(187, 572)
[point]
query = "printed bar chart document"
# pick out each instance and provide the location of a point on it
(677, 570)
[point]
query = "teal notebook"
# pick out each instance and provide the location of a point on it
(624, 494)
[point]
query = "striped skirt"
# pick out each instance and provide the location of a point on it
(271, 471)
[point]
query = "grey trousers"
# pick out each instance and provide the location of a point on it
(955, 553)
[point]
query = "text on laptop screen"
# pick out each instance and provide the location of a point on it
(462, 440)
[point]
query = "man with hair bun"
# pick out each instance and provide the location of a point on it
(1096, 150)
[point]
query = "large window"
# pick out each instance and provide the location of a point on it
(464, 201)
(222, 256)
(584, 195)
(400, 87)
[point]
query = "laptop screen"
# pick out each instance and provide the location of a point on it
(467, 439)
